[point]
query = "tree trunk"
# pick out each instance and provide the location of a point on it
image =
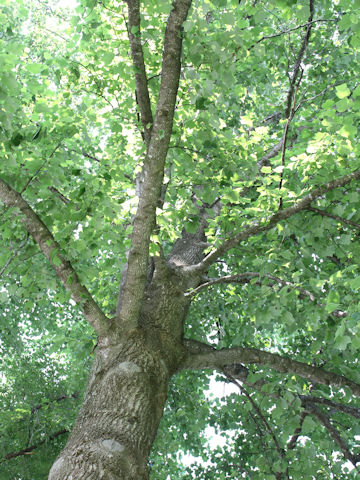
(120, 415)
(127, 390)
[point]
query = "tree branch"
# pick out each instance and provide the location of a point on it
(239, 372)
(323, 213)
(298, 61)
(285, 136)
(255, 406)
(264, 225)
(30, 450)
(62, 197)
(203, 356)
(142, 91)
(51, 249)
(348, 409)
(285, 32)
(246, 278)
(243, 278)
(316, 412)
(131, 296)
(270, 154)
(310, 99)
(258, 411)
(292, 442)
(308, 403)
(74, 395)
(14, 255)
(39, 169)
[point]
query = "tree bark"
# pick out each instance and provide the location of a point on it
(127, 390)
(120, 415)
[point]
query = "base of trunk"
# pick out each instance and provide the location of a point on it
(119, 418)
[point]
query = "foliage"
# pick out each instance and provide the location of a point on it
(71, 143)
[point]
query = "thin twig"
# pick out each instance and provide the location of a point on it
(257, 409)
(284, 32)
(30, 450)
(299, 58)
(39, 169)
(59, 194)
(14, 255)
(246, 278)
(324, 419)
(292, 442)
(286, 131)
(323, 213)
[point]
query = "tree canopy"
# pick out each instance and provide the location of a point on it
(262, 158)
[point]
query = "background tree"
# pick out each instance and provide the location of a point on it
(204, 156)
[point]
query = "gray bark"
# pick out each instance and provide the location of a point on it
(127, 390)
(120, 415)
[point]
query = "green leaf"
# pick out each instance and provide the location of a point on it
(356, 92)
(342, 90)
(34, 67)
(108, 57)
(192, 226)
(355, 283)
(308, 425)
(341, 343)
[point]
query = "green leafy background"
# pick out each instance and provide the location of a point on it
(70, 141)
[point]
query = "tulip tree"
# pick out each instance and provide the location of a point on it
(179, 194)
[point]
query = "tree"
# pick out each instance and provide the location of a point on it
(206, 153)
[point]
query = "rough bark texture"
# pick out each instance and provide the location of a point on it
(201, 355)
(154, 163)
(120, 414)
(128, 385)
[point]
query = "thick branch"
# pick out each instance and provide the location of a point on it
(202, 356)
(348, 409)
(144, 221)
(142, 92)
(51, 249)
(264, 225)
